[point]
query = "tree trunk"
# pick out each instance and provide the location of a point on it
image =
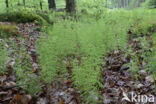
(41, 5)
(24, 2)
(52, 4)
(128, 4)
(7, 3)
(71, 6)
(122, 3)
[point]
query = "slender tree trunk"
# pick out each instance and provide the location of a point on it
(7, 3)
(71, 6)
(24, 2)
(128, 4)
(122, 3)
(114, 3)
(52, 4)
(136, 3)
(41, 5)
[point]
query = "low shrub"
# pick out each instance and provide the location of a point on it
(25, 76)
(152, 65)
(3, 57)
(48, 60)
(144, 28)
(87, 79)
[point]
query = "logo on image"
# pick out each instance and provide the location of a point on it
(138, 98)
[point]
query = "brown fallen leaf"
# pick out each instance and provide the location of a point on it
(18, 97)
(26, 99)
(3, 84)
(69, 81)
(61, 102)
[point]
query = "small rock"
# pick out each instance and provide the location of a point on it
(143, 72)
(33, 51)
(149, 79)
(42, 101)
(124, 68)
(120, 83)
(62, 93)
(139, 85)
(1, 40)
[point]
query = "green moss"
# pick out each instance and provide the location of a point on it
(21, 17)
(46, 17)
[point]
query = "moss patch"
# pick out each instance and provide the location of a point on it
(21, 17)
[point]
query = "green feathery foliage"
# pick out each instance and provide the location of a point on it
(3, 57)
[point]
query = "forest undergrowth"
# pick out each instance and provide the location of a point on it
(82, 59)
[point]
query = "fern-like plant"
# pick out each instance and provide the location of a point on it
(3, 56)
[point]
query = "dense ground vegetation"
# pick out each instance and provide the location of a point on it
(54, 57)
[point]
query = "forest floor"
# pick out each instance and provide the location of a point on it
(116, 79)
